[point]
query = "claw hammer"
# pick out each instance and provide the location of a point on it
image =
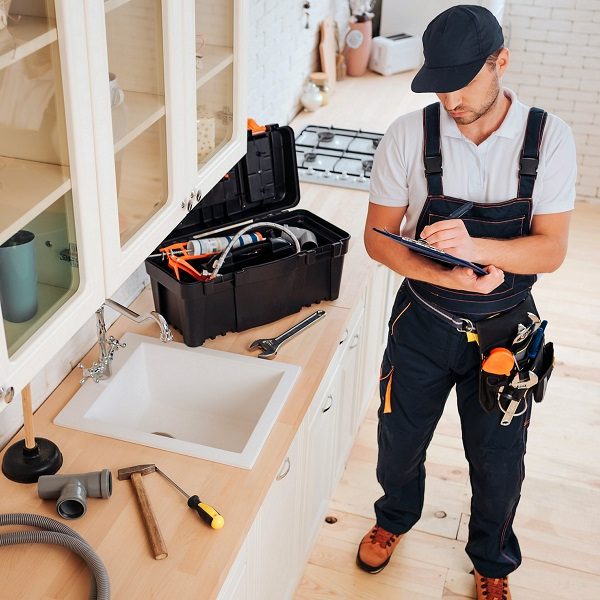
(154, 536)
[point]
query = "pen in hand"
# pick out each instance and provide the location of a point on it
(456, 214)
(460, 211)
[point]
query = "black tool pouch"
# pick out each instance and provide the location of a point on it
(542, 367)
(499, 332)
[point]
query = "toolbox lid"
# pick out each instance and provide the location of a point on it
(263, 182)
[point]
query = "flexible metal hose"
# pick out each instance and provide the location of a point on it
(61, 535)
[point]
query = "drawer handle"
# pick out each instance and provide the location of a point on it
(330, 399)
(344, 337)
(355, 341)
(287, 465)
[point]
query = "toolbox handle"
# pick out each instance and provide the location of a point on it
(241, 232)
(255, 128)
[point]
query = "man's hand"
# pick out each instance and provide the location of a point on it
(451, 236)
(463, 278)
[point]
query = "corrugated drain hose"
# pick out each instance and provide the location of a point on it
(57, 533)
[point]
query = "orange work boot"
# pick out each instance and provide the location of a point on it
(375, 549)
(491, 588)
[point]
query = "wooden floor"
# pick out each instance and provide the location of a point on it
(558, 521)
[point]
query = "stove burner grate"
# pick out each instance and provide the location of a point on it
(336, 156)
(325, 136)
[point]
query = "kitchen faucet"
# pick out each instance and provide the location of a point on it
(108, 346)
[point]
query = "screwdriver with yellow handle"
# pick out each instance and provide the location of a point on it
(206, 512)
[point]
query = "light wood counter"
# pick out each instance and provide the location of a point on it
(199, 557)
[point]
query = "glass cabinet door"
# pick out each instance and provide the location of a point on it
(39, 269)
(215, 51)
(134, 41)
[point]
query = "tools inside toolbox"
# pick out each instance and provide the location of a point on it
(297, 261)
(195, 259)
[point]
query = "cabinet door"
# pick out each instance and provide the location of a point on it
(320, 460)
(50, 276)
(135, 58)
(347, 382)
(280, 528)
(215, 38)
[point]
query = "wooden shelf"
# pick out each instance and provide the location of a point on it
(140, 112)
(24, 37)
(27, 189)
(214, 60)
(112, 4)
(50, 298)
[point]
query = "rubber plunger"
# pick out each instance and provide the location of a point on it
(27, 460)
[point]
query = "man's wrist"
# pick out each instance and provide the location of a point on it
(481, 251)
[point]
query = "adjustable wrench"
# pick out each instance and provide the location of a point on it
(521, 386)
(269, 346)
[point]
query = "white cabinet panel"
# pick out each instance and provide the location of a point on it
(100, 169)
(50, 265)
(280, 527)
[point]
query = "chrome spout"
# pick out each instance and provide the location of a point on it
(165, 333)
(108, 346)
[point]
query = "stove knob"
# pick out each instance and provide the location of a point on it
(361, 179)
(310, 171)
(344, 175)
(327, 174)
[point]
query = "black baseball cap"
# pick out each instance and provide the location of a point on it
(456, 45)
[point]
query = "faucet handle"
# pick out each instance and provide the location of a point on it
(95, 372)
(114, 344)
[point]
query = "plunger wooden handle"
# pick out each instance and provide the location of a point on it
(28, 417)
(154, 536)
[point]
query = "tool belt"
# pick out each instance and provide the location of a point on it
(520, 335)
(513, 349)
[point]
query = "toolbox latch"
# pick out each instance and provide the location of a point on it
(336, 249)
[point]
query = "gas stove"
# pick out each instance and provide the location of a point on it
(334, 156)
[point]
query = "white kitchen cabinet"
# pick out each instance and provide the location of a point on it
(273, 558)
(280, 534)
(47, 187)
(349, 394)
(99, 167)
(319, 461)
(179, 123)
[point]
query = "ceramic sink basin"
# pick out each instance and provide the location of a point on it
(196, 401)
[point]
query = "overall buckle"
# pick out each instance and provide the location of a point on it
(528, 166)
(433, 165)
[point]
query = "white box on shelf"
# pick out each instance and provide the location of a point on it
(395, 53)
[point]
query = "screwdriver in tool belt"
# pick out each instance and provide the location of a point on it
(206, 512)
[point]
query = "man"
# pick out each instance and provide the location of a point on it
(518, 167)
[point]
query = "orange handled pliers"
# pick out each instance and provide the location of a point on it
(178, 256)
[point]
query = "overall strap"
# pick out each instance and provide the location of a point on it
(530, 153)
(432, 149)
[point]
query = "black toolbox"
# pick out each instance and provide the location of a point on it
(275, 281)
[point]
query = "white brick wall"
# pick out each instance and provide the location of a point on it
(282, 53)
(555, 64)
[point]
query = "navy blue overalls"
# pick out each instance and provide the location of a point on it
(428, 353)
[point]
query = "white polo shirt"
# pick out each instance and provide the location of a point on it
(486, 173)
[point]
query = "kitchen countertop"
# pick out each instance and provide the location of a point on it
(199, 557)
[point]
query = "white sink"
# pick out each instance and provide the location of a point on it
(195, 401)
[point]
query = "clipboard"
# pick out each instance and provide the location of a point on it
(423, 248)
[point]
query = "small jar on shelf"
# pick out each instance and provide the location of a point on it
(322, 82)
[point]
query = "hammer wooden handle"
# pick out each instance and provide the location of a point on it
(156, 540)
